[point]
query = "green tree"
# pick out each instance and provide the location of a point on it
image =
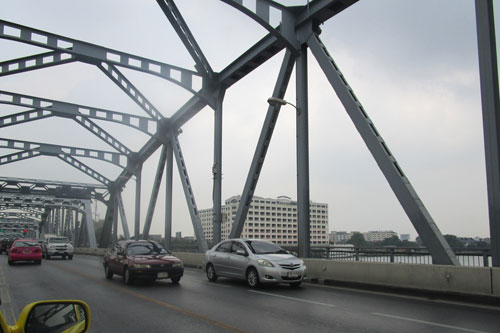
(453, 241)
(392, 241)
(357, 239)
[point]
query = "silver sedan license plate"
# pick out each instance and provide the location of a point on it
(162, 275)
(293, 274)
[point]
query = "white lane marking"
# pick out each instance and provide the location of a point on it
(10, 317)
(217, 285)
(427, 322)
(418, 298)
(5, 295)
(291, 298)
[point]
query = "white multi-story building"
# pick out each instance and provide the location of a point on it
(271, 219)
(340, 237)
(378, 236)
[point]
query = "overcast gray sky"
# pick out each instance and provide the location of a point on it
(412, 64)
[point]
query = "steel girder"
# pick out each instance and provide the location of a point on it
(182, 29)
(56, 150)
(34, 62)
(70, 110)
(97, 54)
(154, 192)
(262, 146)
(302, 129)
(411, 203)
(168, 196)
(488, 70)
(188, 192)
(217, 170)
(123, 217)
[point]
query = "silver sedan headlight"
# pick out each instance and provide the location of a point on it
(265, 263)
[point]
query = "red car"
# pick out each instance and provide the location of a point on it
(25, 250)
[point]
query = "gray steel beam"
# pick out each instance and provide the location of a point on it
(70, 110)
(114, 237)
(138, 182)
(261, 14)
(84, 168)
(217, 170)
(182, 29)
(154, 193)
(89, 224)
(319, 11)
(102, 134)
(24, 117)
(107, 228)
(96, 54)
(488, 70)
(168, 197)
(15, 157)
(132, 91)
(262, 146)
(304, 231)
(188, 192)
(34, 62)
(123, 217)
(401, 186)
(52, 150)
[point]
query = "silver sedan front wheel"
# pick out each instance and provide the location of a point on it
(211, 275)
(252, 278)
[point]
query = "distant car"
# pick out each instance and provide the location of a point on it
(57, 246)
(141, 259)
(25, 250)
(256, 261)
(5, 245)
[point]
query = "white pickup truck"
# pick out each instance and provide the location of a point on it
(57, 246)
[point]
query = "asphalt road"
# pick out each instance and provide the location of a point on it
(196, 305)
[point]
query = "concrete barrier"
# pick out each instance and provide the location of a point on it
(474, 281)
(87, 251)
(191, 259)
(495, 281)
(440, 278)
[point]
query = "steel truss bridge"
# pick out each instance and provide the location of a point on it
(297, 32)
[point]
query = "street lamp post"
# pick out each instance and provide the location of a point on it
(304, 233)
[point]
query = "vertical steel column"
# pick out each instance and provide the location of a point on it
(107, 228)
(76, 230)
(217, 170)
(488, 70)
(114, 238)
(168, 197)
(57, 221)
(89, 224)
(303, 155)
(138, 176)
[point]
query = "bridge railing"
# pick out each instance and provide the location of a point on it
(407, 255)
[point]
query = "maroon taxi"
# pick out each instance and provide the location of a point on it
(142, 259)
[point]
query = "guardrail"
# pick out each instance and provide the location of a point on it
(406, 255)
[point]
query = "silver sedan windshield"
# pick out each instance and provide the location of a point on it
(259, 247)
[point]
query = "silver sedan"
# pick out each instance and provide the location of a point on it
(256, 261)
